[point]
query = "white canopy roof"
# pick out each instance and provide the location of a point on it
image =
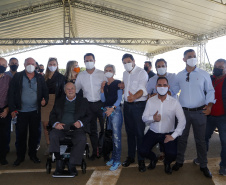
(147, 27)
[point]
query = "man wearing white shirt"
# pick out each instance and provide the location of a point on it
(90, 82)
(160, 112)
(135, 96)
(196, 98)
(161, 68)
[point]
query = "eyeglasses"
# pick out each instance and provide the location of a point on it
(187, 79)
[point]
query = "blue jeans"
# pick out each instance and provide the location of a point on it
(219, 122)
(115, 124)
(134, 127)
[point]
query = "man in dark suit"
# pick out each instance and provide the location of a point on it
(69, 112)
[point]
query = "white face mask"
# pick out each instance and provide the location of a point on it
(161, 70)
(192, 61)
(162, 90)
(108, 74)
(52, 68)
(90, 65)
(128, 67)
(30, 68)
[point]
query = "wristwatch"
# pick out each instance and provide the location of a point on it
(114, 107)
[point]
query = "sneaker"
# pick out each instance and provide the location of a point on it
(195, 161)
(110, 163)
(115, 166)
(222, 171)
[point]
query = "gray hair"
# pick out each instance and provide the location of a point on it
(221, 60)
(112, 66)
(68, 83)
(28, 59)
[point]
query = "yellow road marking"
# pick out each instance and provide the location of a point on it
(102, 177)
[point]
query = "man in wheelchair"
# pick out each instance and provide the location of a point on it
(69, 113)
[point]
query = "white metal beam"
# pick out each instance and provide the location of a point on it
(95, 41)
(4, 16)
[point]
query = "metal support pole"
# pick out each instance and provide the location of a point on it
(67, 22)
(201, 55)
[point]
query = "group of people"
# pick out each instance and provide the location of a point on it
(73, 102)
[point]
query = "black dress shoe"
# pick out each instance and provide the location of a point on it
(168, 169)
(177, 166)
(4, 162)
(152, 164)
(35, 159)
(142, 167)
(128, 161)
(18, 161)
(206, 172)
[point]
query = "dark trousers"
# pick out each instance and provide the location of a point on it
(198, 121)
(134, 127)
(78, 141)
(97, 112)
(8, 135)
(219, 122)
(39, 135)
(151, 139)
(27, 121)
(4, 127)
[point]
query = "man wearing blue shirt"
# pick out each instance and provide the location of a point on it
(196, 98)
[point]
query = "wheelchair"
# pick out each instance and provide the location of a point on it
(65, 149)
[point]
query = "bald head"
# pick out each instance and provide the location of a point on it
(70, 90)
(3, 62)
(3, 65)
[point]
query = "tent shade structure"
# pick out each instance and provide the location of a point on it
(145, 27)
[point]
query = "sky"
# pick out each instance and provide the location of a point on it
(215, 49)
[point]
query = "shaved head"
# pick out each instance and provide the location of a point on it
(3, 62)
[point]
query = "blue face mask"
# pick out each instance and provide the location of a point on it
(2, 69)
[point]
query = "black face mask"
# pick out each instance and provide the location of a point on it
(41, 70)
(145, 68)
(217, 72)
(2, 69)
(13, 67)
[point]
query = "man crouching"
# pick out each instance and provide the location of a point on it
(160, 112)
(69, 111)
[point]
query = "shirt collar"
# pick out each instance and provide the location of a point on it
(196, 69)
(70, 100)
(134, 69)
(95, 70)
(167, 97)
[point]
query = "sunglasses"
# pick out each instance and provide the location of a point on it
(187, 79)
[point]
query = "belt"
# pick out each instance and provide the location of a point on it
(135, 102)
(194, 109)
(95, 101)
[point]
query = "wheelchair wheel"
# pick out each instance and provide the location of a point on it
(48, 167)
(83, 166)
